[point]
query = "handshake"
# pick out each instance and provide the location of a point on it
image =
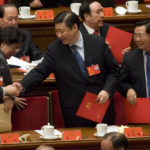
(13, 89)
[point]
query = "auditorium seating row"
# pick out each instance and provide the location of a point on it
(41, 110)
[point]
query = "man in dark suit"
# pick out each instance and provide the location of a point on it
(73, 80)
(134, 78)
(44, 3)
(91, 12)
(9, 17)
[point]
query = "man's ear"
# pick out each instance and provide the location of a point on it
(75, 27)
(86, 16)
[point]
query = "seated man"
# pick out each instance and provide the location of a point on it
(114, 141)
(9, 17)
(10, 40)
(44, 147)
(68, 58)
(135, 77)
(91, 12)
(56, 3)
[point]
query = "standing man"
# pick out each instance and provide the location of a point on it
(91, 13)
(68, 58)
(135, 77)
(114, 141)
(9, 17)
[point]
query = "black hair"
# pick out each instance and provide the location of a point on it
(145, 23)
(85, 8)
(11, 35)
(118, 140)
(69, 18)
(2, 8)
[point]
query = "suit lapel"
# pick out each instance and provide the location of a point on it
(141, 68)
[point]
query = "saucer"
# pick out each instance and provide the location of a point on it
(134, 12)
(27, 17)
(96, 135)
(120, 10)
(50, 138)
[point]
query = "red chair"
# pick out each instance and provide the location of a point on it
(56, 113)
(34, 116)
(119, 109)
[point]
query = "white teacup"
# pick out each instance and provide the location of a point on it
(101, 129)
(48, 130)
(132, 6)
(75, 7)
(24, 11)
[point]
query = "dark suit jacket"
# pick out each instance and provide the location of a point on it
(1, 95)
(132, 73)
(28, 48)
(103, 29)
(4, 72)
(46, 3)
(72, 84)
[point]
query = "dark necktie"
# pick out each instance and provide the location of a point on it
(96, 32)
(79, 59)
(148, 71)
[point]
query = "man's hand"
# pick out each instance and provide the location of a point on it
(126, 50)
(102, 97)
(108, 44)
(131, 97)
(20, 103)
(8, 103)
(36, 4)
(13, 89)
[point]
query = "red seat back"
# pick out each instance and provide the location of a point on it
(57, 117)
(119, 109)
(34, 116)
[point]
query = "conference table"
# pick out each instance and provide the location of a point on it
(43, 30)
(88, 141)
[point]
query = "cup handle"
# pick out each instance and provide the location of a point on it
(19, 10)
(127, 4)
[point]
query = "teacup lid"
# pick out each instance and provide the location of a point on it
(48, 126)
(120, 10)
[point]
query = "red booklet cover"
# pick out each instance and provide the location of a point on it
(91, 110)
(1, 2)
(118, 40)
(140, 113)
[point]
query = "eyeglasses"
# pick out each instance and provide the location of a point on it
(140, 35)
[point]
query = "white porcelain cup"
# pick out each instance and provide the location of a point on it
(75, 7)
(132, 6)
(48, 130)
(24, 11)
(101, 129)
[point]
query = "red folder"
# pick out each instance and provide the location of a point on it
(118, 40)
(1, 2)
(140, 113)
(91, 110)
(108, 11)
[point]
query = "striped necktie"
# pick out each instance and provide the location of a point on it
(79, 59)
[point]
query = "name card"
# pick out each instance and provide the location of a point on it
(108, 11)
(9, 138)
(44, 14)
(72, 135)
(133, 132)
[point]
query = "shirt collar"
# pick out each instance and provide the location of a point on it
(89, 29)
(79, 43)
